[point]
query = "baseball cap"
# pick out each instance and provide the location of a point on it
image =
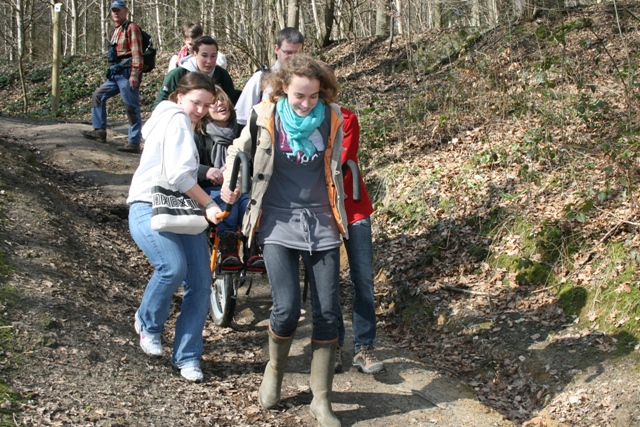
(118, 4)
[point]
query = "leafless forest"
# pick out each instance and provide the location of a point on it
(247, 27)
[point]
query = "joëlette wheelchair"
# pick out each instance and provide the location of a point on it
(228, 280)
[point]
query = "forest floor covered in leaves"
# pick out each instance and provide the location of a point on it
(504, 172)
(69, 351)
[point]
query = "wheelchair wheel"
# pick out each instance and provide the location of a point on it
(223, 300)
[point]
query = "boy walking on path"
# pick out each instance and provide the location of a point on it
(123, 76)
(360, 254)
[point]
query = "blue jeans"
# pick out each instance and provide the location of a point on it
(283, 270)
(118, 83)
(234, 220)
(360, 254)
(177, 258)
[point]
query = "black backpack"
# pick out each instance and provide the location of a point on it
(148, 51)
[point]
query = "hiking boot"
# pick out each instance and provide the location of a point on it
(228, 247)
(130, 148)
(366, 360)
(150, 343)
(99, 135)
(338, 367)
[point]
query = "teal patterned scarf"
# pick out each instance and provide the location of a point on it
(299, 129)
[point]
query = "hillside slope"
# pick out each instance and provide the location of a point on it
(504, 165)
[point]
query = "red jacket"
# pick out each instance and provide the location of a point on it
(362, 208)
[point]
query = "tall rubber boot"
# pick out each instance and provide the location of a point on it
(322, 368)
(269, 393)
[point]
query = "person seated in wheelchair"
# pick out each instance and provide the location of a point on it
(214, 134)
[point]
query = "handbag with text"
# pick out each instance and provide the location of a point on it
(174, 211)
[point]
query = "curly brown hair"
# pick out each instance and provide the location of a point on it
(303, 66)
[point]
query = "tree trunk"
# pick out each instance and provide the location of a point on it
(175, 16)
(19, 29)
(23, 86)
(19, 38)
(493, 12)
(398, 4)
(85, 40)
(104, 26)
(74, 26)
(316, 20)
(280, 15)
(272, 34)
(204, 21)
(435, 14)
(159, 24)
(293, 13)
(328, 22)
(382, 18)
(211, 21)
(65, 32)
(29, 33)
(475, 13)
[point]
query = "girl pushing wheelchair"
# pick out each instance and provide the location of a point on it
(297, 197)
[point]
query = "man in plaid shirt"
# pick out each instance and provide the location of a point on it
(123, 76)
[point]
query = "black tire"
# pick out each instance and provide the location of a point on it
(222, 302)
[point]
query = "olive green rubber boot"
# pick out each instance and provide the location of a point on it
(322, 368)
(269, 393)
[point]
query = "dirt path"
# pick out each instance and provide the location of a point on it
(77, 282)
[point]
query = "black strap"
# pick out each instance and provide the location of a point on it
(124, 26)
(253, 129)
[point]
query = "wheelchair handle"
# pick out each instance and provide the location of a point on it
(355, 171)
(240, 160)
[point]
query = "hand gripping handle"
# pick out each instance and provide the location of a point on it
(240, 160)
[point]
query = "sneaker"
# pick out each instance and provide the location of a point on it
(338, 366)
(129, 148)
(366, 360)
(99, 135)
(150, 343)
(192, 373)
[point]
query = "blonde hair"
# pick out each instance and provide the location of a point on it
(218, 95)
(303, 66)
(221, 95)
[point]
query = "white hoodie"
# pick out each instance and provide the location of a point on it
(190, 63)
(220, 62)
(170, 123)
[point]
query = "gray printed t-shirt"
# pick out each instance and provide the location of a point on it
(295, 209)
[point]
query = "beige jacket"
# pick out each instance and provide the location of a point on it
(264, 160)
